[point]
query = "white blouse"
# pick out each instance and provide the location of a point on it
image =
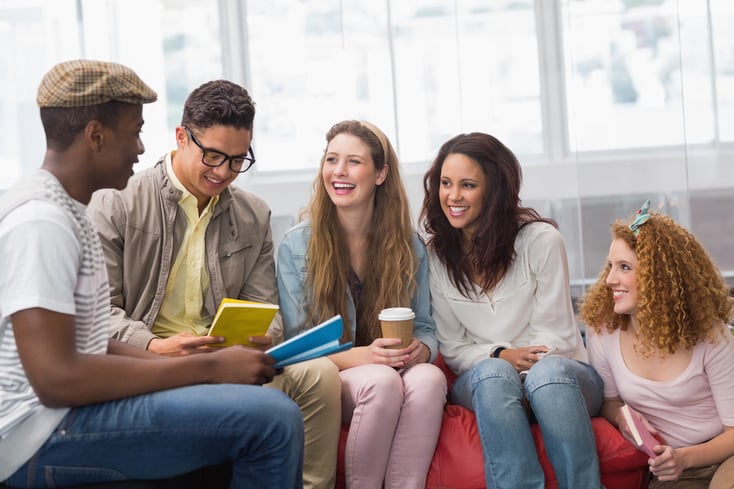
(530, 306)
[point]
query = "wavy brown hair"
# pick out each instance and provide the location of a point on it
(682, 297)
(389, 279)
(493, 243)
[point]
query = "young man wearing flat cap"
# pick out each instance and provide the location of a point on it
(75, 406)
(181, 237)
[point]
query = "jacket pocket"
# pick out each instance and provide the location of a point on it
(237, 258)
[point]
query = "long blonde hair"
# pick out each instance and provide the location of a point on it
(389, 280)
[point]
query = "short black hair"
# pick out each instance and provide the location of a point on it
(63, 124)
(219, 102)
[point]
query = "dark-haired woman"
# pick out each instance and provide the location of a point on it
(504, 320)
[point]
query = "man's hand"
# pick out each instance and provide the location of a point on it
(262, 343)
(241, 365)
(183, 344)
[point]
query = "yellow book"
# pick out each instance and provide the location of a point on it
(237, 320)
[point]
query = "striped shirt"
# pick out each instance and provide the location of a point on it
(51, 258)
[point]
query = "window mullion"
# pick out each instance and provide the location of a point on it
(552, 86)
(233, 36)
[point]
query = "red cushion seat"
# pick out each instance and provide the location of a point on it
(457, 462)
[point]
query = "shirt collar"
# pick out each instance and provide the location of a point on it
(185, 194)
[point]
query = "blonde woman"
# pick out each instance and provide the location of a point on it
(355, 255)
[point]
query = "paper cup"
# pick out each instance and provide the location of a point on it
(397, 322)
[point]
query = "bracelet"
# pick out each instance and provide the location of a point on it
(497, 351)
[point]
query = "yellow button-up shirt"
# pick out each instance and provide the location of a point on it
(183, 309)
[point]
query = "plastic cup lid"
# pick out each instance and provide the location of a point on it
(396, 314)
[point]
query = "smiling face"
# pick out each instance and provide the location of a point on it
(202, 181)
(461, 193)
(121, 148)
(622, 278)
(349, 174)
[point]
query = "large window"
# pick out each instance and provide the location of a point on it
(641, 64)
(605, 102)
(311, 64)
(174, 45)
(628, 73)
(32, 33)
(551, 79)
(422, 70)
(722, 39)
(454, 73)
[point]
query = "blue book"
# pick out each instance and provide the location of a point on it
(316, 342)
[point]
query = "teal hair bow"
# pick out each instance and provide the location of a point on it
(643, 215)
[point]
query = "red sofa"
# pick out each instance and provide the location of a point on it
(457, 462)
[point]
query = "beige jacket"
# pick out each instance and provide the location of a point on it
(141, 230)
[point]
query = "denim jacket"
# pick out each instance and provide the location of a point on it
(291, 273)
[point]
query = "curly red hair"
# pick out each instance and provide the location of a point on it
(683, 299)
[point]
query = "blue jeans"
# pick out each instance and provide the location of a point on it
(562, 394)
(172, 432)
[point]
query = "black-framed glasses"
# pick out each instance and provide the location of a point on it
(214, 158)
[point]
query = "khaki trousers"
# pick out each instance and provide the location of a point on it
(714, 477)
(315, 387)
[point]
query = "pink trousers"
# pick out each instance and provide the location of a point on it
(395, 418)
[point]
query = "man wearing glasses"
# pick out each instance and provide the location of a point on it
(181, 237)
(77, 407)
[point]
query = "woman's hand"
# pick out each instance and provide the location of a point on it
(624, 427)
(416, 352)
(378, 352)
(523, 358)
(668, 465)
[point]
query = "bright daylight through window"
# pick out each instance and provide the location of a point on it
(603, 101)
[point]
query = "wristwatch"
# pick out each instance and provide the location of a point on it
(497, 351)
